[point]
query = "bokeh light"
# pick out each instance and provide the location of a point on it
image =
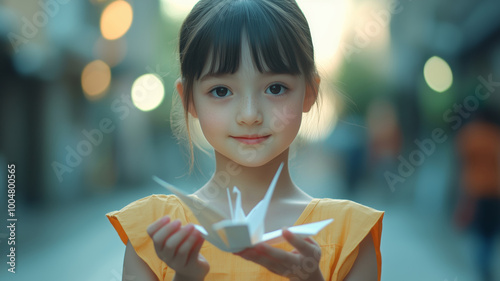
(327, 23)
(147, 92)
(438, 74)
(176, 9)
(96, 77)
(116, 19)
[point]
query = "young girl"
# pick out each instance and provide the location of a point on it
(247, 75)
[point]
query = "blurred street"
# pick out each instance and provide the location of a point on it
(407, 122)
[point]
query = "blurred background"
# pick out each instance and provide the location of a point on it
(408, 124)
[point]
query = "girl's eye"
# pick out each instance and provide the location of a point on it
(276, 89)
(220, 92)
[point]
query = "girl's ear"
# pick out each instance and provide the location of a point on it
(180, 89)
(311, 95)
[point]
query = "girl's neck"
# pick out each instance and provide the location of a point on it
(253, 182)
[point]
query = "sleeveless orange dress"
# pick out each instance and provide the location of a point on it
(339, 240)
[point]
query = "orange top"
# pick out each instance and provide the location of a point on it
(339, 240)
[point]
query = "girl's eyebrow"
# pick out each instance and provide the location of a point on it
(212, 75)
(221, 75)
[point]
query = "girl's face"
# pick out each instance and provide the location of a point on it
(250, 117)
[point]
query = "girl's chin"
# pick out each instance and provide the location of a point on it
(255, 158)
(250, 163)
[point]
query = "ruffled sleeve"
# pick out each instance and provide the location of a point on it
(131, 223)
(357, 222)
(353, 222)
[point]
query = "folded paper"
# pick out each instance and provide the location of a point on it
(239, 231)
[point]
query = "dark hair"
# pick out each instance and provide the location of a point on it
(277, 31)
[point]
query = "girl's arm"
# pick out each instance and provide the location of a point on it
(365, 267)
(134, 268)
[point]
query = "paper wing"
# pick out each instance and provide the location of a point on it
(235, 235)
(206, 215)
(238, 214)
(255, 218)
(303, 230)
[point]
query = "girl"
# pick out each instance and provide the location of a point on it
(247, 75)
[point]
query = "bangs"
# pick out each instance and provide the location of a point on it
(274, 39)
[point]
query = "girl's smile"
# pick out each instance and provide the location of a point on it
(251, 139)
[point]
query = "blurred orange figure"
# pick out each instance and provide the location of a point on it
(479, 151)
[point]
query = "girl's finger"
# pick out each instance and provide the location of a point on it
(154, 227)
(174, 241)
(194, 255)
(261, 258)
(305, 248)
(278, 254)
(164, 233)
(186, 247)
(310, 240)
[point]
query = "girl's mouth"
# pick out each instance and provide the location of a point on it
(251, 139)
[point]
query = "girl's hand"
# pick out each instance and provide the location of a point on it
(179, 247)
(300, 264)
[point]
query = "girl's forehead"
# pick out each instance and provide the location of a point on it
(246, 60)
(258, 34)
(246, 57)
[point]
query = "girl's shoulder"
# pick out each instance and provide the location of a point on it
(153, 205)
(153, 202)
(135, 217)
(352, 221)
(346, 207)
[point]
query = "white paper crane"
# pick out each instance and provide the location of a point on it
(237, 232)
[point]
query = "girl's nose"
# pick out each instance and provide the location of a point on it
(249, 111)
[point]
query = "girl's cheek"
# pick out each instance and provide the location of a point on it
(213, 120)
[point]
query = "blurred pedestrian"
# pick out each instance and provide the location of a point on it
(479, 206)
